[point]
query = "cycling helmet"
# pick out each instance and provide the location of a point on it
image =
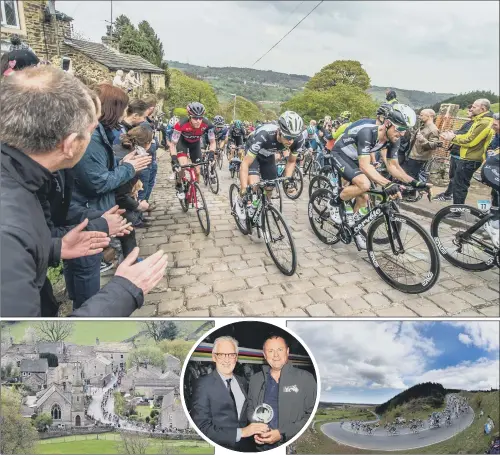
(195, 109)
(327, 119)
(290, 123)
(397, 117)
(219, 120)
(310, 130)
(408, 112)
(391, 95)
(384, 109)
(346, 115)
(237, 123)
(173, 121)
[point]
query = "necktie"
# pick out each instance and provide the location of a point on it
(231, 394)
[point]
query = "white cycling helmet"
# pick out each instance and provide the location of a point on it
(408, 113)
(173, 121)
(290, 123)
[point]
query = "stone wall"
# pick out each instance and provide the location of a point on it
(87, 70)
(45, 38)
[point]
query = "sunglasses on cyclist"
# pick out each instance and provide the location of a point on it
(401, 129)
(196, 118)
(287, 137)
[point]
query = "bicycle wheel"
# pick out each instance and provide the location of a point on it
(474, 252)
(183, 202)
(276, 198)
(318, 182)
(314, 169)
(220, 158)
(279, 240)
(204, 173)
(319, 217)
(415, 268)
(234, 191)
(213, 180)
(201, 209)
(306, 163)
(298, 185)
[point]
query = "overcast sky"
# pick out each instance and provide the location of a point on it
(432, 46)
(371, 362)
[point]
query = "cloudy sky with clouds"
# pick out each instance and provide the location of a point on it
(370, 362)
(448, 46)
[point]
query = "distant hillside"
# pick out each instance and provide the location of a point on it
(271, 86)
(414, 98)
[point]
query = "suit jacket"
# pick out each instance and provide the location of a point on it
(213, 411)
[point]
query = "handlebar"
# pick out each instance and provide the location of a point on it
(201, 163)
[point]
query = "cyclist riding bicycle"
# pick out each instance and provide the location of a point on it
(186, 140)
(261, 148)
(237, 136)
(220, 132)
(312, 142)
(352, 157)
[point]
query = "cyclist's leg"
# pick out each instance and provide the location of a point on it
(195, 155)
(349, 169)
(182, 156)
(268, 170)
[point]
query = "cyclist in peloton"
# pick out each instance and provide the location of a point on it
(352, 157)
(220, 132)
(261, 149)
(311, 141)
(186, 140)
(237, 135)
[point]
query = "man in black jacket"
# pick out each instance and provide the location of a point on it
(219, 402)
(290, 391)
(47, 119)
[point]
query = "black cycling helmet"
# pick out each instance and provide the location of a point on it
(384, 109)
(195, 109)
(218, 120)
(396, 117)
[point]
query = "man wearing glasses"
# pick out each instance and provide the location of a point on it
(351, 155)
(219, 402)
(289, 391)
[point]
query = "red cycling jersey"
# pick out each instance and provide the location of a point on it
(190, 134)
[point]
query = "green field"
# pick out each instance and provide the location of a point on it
(144, 411)
(85, 332)
(415, 409)
(109, 443)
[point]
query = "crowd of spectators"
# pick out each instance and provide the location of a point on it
(73, 159)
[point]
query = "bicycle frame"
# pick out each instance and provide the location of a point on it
(191, 193)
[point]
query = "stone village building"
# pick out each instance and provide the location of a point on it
(49, 33)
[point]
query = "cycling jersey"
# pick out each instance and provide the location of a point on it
(191, 135)
(340, 130)
(311, 142)
(236, 132)
(361, 138)
(220, 135)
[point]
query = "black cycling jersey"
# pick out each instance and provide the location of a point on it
(237, 132)
(361, 138)
(264, 142)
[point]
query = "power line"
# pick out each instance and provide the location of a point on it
(295, 9)
(290, 31)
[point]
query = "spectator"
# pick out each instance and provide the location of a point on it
(35, 142)
(97, 176)
(148, 177)
(17, 60)
(493, 149)
(454, 158)
(137, 140)
(391, 97)
(134, 115)
(425, 142)
(473, 146)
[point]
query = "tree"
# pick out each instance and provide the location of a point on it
(133, 42)
(52, 359)
(133, 444)
(152, 38)
(154, 413)
(177, 348)
(150, 355)
(183, 90)
(245, 110)
(160, 330)
(18, 434)
(53, 331)
(340, 72)
(312, 104)
(30, 336)
(121, 23)
(42, 422)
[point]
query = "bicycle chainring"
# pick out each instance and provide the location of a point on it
(345, 234)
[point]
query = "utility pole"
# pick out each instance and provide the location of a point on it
(234, 107)
(111, 29)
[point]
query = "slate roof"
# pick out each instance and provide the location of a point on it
(111, 58)
(113, 347)
(56, 348)
(35, 366)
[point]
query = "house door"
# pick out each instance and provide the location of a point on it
(78, 421)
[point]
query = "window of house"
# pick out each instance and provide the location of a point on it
(9, 13)
(55, 412)
(77, 398)
(121, 356)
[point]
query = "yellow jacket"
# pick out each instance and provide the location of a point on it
(473, 143)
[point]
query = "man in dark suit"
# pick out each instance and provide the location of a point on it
(219, 401)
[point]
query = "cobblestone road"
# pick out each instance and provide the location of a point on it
(229, 274)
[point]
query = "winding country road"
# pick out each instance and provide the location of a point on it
(405, 440)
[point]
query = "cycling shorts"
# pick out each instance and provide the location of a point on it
(189, 149)
(238, 140)
(348, 168)
(265, 166)
(490, 173)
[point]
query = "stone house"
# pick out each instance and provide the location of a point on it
(172, 415)
(49, 33)
(66, 373)
(35, 382)
(56, 348)
(172, 363)
(116, 352)
(31, 367)
(16, 353)
(64, 404)
(96, 368)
